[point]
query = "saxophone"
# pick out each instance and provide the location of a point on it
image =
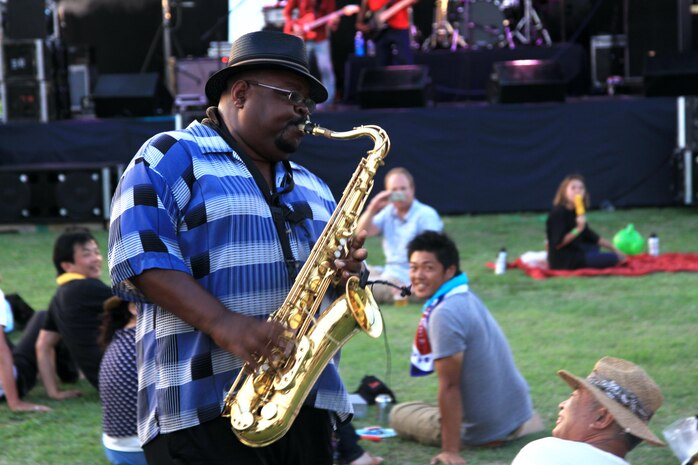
(263, 403)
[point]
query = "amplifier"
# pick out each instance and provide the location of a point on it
(28, 100)
(191, 74)
(607, 58)
(26, 59)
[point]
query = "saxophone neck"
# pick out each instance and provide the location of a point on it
(380, 138)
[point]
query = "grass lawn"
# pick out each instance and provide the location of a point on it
(556, 323)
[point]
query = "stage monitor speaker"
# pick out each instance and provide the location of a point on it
(124, 95)
(521, 81)
(394, 86)
(671, 75)
(26, 19)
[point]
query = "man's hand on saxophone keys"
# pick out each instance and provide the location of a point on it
(353, 262)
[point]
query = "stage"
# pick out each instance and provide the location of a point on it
(463, 74)
(466, 158)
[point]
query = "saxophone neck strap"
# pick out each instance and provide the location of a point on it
(279, 212)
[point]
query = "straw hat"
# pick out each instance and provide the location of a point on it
(629, 394)
(263, 50)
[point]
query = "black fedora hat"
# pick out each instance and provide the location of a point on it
(266, 49)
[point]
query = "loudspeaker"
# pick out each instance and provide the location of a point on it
(26, 19)
(28, 100)
(520, 81)
(26, 59)
(140, 94)
(393, 86)
(56, 193)
(15, 196)
(671, 75)
(655, 28)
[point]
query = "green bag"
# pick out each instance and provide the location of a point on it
(629, 241)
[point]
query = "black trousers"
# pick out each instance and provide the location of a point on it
(24, 355)
(309, 441)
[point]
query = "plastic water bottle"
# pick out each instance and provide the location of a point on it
(653, 245)
(359, 49)
(500, 266)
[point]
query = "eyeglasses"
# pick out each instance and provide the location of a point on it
(293, 96)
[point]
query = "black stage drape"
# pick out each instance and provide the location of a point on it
(474, 158)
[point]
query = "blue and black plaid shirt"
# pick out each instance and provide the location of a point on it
(187, 202)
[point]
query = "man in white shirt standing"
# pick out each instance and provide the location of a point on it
(606, 416)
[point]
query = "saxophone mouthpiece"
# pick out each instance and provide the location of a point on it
(307, 127)
(314, 129)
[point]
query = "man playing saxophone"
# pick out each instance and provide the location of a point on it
(209, 227)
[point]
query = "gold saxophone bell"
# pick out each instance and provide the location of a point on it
(263, 404)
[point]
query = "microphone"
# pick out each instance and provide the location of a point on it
(405, 291)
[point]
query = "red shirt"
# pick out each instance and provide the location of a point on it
(400, 20)
(306, 13)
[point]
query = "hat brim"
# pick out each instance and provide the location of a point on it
(217, 82)
(624, 417)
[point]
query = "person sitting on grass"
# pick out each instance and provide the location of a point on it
(75, 309)
(483, 400)
(571, 242)
(118, 383)
(18, 366)
(606, 417)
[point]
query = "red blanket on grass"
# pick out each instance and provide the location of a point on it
(636, 265)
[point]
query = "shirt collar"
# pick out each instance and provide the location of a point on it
(67, 277)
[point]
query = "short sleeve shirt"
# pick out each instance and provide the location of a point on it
(75, 313)
(6, 316)
(398, 232)
(118, 385)
(494, 394)
(555, 451)
(187, 202)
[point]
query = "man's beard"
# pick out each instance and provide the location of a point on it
(284, 144)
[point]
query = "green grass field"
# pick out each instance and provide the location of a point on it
(557, 323)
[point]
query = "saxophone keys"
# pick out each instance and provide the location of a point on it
(295, 321)
(269, 411)
(242, 421)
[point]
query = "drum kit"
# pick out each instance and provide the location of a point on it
(485, 24)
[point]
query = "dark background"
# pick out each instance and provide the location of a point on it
(128, 40)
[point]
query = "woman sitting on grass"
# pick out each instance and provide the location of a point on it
(118, 383)
(572, 243)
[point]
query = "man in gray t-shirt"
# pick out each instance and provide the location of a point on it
(483, 399)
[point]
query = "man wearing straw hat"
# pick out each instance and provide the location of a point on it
(605, 418)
